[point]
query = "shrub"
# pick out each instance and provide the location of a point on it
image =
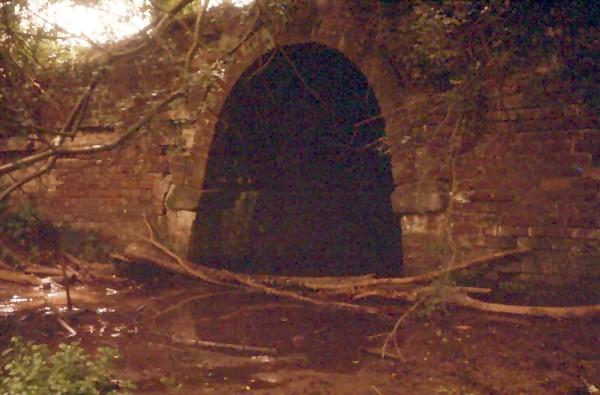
(22, 227)
(33, 369)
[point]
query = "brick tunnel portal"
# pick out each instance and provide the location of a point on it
(296, 186)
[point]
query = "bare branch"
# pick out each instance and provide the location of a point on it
(47, 167)
(125, 135)
(246, 36)
(300, 76)
(149, 32)
(24, 162)
(83, 101)
(66, 130)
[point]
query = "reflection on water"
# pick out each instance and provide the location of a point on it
(144, 324)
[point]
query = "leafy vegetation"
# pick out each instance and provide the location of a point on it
(37, 77)
(24, 228)
(86, 244)
(449, 43)
(33, 369)
(460, 54)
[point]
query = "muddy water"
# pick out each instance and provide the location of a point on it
(302, 349)
(156, 330)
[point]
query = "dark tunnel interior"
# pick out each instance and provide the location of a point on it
(294, 185)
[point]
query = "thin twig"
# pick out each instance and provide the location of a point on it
(127, 134)
(454, 146)
(376, 390)
(300, 76)
(57, 315)
(262, 67)
(60, 152)
(18, 184)
(151, 234)
(149, 32)
(397, 325)
(246, 36)
(67, 281)
(66, 130)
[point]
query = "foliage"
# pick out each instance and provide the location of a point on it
(448, 44)
(33, 369)
(23, 227)
(25, 51)
(84, 243)
(461, 53)
(48, 95)
(281, 9)
(171, 385)
(20, 224)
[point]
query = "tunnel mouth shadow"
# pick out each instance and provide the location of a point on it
(298, 179)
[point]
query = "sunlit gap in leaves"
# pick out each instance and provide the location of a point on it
(80, 22)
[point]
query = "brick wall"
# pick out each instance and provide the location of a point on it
(533, 181)
(531, 177)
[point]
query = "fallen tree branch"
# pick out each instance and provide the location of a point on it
(19, 278)
(100, 271)
(350, 284)
(537, 311)
(415, 294)
(437, 273)
(316, 283)
(150, 251)
(50, 271)
(165, 259)
(223, 346)
(66, 130)
(246, 280)
(19, 183)
(137, 251)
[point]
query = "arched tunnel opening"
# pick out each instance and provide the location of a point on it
(298, 181)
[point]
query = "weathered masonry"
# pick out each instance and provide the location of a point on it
(264, 173)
